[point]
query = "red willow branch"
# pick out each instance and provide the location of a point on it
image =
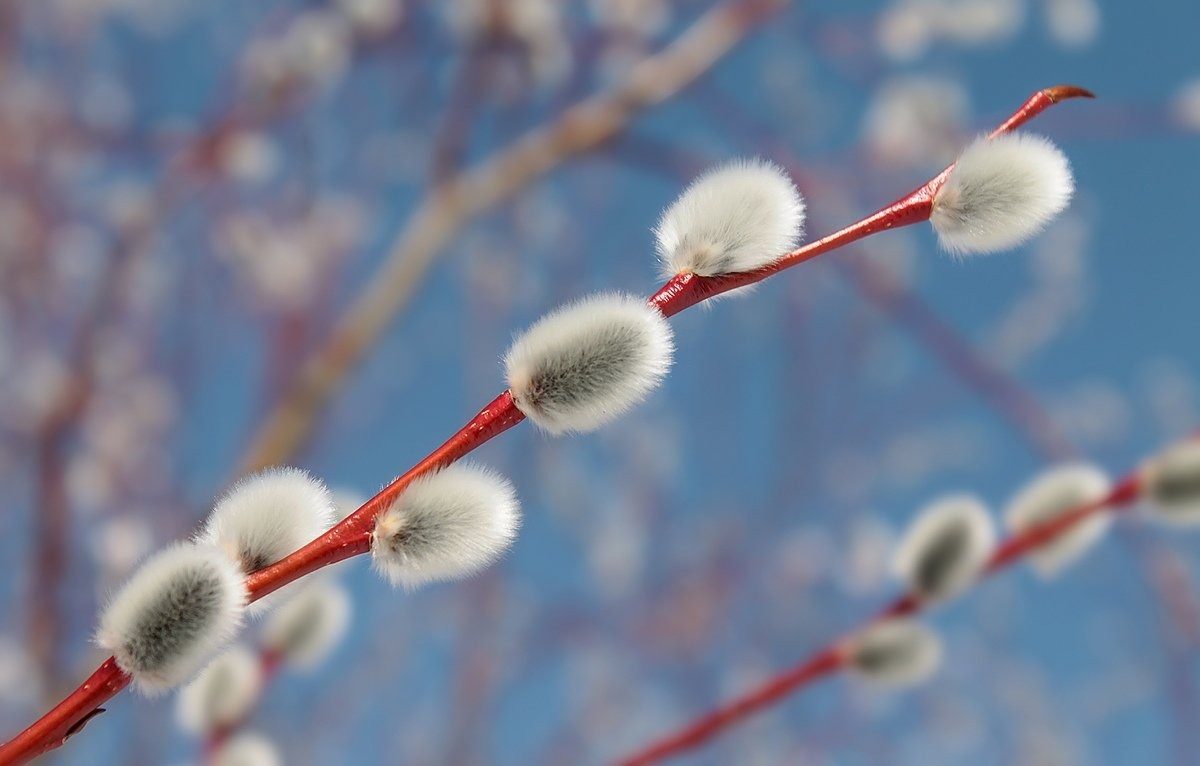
(352, 536)
(467, 194)
(838, 655)
(1005, 394)
(1002, 392)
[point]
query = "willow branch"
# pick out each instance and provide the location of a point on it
(351, 536)
(467, 194)
(836, 656)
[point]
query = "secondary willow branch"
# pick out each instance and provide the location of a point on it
(836, 656)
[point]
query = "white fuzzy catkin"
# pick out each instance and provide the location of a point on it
(247, 749)
(222, 694)
(1000, 193)
(176, 611)
(445, 525)
(896, 653)
(1172, 484)
(945, 548)
(585, 364)
(1055, 492)
(267, 516)
(306, 627)
(737, 217)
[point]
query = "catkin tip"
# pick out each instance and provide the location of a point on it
(1000, 193)
(267, 516)
(176, 611)
(585, 364)
(445, 525)
(737, 217)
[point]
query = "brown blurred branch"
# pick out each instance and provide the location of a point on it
(458, 199)
(455, 128)
(53, 514)
(836, 656)
(197, 161)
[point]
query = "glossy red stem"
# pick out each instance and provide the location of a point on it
(833, 658)
(686, 290)
(352, 536)
(68, 717)
(702, 730)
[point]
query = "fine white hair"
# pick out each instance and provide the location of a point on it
(346, 501)
(1172, 484)
(306, 627)
(267, 516)
(945, 548)
(222, 694)
(587, 363)
(177, 610)
(445, 525)
(1055, 492)
(737, 217)
(247, 749)
(895, 653)
(1000, 193)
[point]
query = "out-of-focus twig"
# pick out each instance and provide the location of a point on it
(196, 161)
(837, 656)
(52, 516)
(455, 128)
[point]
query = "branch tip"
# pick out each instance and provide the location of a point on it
(1063, 92)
